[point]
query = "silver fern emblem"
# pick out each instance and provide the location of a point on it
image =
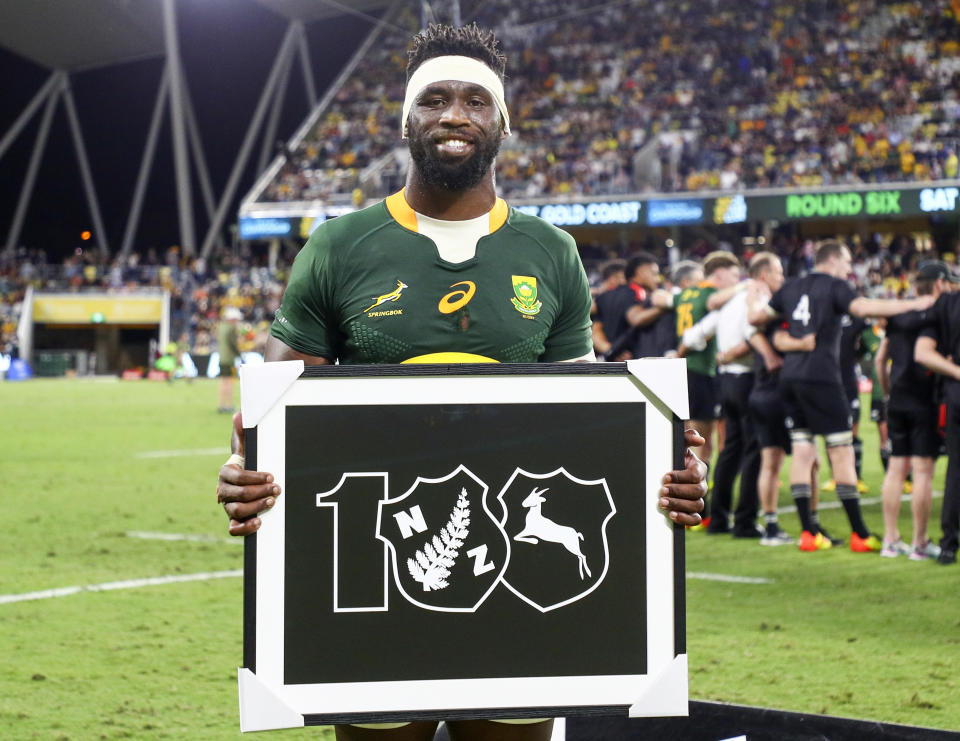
(431, 566)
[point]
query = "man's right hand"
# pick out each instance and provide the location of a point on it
(244, 494)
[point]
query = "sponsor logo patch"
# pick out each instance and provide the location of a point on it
(525, 295)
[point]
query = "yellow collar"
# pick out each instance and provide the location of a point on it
(407, 218)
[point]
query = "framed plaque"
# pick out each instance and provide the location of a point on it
(463, 541)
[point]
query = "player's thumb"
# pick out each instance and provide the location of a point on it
(238, 437)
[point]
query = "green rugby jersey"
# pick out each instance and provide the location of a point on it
(367, 288)
(871, 337)
(690, 307)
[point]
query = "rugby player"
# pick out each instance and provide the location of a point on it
(721, 274)
(766, 410)
(912, 421)
(735, 377)
(629, 310)
(851, 349)
(938, 348)
(811, 309)
(444, 267)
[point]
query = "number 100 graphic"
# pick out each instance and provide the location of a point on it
(449, 542)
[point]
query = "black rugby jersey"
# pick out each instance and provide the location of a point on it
(911, 385)
(943, 325)
(850, 348)
(764, 380)
(813, 304)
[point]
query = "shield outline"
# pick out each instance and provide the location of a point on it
(603, 532)
(493, 519)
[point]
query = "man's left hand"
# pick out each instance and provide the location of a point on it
(681, 496)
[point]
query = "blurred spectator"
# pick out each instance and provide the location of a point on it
(628, 97)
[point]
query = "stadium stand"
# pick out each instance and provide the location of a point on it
(637, 97)
(201, 290)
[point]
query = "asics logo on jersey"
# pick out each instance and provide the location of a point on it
(394, 295)
(459, 298)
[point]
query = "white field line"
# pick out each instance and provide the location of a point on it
(788, 509)
(182, 453)
(728, 578)
(113, 585)
(207, 575)
(143, 535)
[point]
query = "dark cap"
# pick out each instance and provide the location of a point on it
(933, 269)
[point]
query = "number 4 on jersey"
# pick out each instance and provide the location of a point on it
(802, 312)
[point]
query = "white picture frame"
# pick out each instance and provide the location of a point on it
(576, 437)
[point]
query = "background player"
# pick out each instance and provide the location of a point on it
(811, 385)
(721, 273)
(912, 421)
(938, 348)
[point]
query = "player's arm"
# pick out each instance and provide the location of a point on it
(662, 298)
(881, 366)
(760, 314)
(600, 342)
(862, 306)
(697, 337)
(925, 352)
(717, 299)
(741, 348)
(639, 316)
(785, 343)
(761, 345)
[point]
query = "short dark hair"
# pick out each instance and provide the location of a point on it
(639, 259)
(612, 268)
(440, 40)
(719, 259)
(828, 249)
(924, 285)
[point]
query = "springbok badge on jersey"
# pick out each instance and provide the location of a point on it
(557, 528)
(448, 550)
(525, 295)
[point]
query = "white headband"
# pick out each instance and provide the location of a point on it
(463, 69)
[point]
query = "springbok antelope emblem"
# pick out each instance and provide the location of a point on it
(537, 527)
(392, 296)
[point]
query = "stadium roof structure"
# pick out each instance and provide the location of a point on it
(309, 11)
(76, 36)
(68, 37)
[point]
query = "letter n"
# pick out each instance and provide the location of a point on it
(410, 521)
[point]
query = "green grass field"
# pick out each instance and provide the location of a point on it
(830, 632)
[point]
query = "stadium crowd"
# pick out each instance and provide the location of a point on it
(245, 279)
(655, 96)
(201, 290)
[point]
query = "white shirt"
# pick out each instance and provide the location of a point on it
(730, 325)
(456, 240)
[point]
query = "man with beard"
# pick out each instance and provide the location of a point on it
(442, 270)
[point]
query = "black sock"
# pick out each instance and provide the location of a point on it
(858, 457)
(801, 497)
(847, 494)
(772, 525)
(815, 522)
